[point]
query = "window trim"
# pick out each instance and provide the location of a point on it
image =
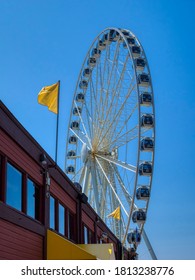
(4, 161)
(90, 235)
(37, 214)
(6, 190)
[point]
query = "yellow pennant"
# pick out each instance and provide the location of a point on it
(115, 214)
(48, 96)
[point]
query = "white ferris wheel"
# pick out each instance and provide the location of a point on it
(111, 133)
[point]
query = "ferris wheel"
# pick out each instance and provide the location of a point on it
(111, 133)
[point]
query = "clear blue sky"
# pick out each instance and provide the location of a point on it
(43, 41)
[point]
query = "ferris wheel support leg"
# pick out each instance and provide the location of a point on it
(95, 187)
(86, 180)
(149, 246)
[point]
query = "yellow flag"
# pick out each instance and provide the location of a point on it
(48, 96)
(116, 214)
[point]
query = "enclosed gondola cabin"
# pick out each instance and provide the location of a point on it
(72, 139)
(91, 62)
(114, 35)
(71, 154)
(83, 84)
(140, 64)
(147, 120)
(139, 216)
(74, 125)
(146, 98)
(125, 32)
(87, 72)
(77, 111)
(145, 169)
(136, 51)
(130, 42)
(143, 80)
(147, 144)
(101, 45)
(80, 97)
(143, 193)
(96, 52)
(134, 237)
(70, 169)
(107, 39)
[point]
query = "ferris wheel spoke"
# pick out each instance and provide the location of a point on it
(83, 171)
(109, 183)
(104, 68)
(126, 95)
(114, 203)
(95, 187)
(124, 189)
(98, 81)
(83, 125)
(105, 100)
(125, 138)
(144, 130)
(89, 120)
(109, 79)
(94, 107)
(116, 119)
(81, 136)
(118, 162)
(128, 135)
(96, 118)
(122, 139)
(103, 191)
(86, 180)
(79, 171)
(106, 112)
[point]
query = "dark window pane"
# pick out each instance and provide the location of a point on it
(90, 236)
(61, 219)
(70, 226)
(52, 212)
(32, 200)
(85, 235)
(14, 187)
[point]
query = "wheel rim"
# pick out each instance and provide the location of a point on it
(108, 119)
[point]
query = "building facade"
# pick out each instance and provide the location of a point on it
(36, 197)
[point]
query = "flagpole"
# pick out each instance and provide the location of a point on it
(121, 233)
(57, 123)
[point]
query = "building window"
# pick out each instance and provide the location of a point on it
(58, 217)
(14, 187)
(33, 200)
(85, 235)
(88, 235)
(61, 219)
(52, 213)
(71, 226)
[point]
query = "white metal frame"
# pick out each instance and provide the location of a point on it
(110, 133)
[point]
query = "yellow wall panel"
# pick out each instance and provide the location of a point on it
(59, 248)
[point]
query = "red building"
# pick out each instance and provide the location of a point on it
(38, 202)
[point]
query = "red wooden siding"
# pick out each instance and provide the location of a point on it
(99, 231)
(59, 193)
(17, 243)
(19, 157)
(87, 221)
